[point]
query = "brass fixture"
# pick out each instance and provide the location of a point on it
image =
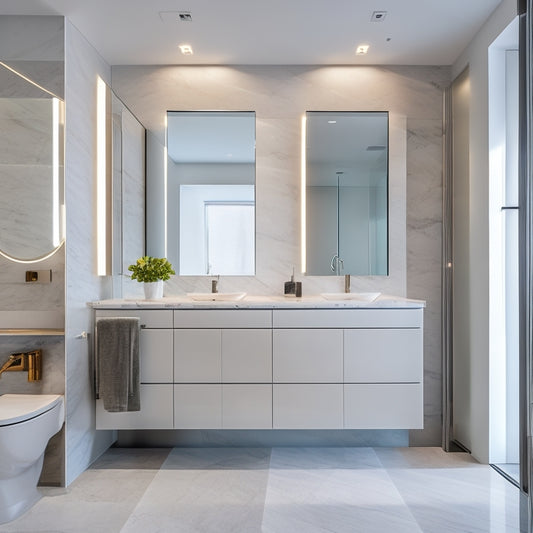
(38, 276)
(22, 362)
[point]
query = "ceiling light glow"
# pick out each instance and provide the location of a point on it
(362, 49)
(186, 49)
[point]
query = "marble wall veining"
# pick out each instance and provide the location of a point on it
(82, 67)
(36, 46)
(280, 96)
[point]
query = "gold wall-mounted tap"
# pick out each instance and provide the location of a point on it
(22, 362)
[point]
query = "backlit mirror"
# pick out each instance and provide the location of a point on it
(31, 168)
(345, 200)
(210, 185)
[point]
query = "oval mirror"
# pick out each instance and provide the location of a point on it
(31, 168)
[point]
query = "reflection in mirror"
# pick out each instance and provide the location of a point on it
(346, 193)
(31, 168)
(128, 186)
(211, 192)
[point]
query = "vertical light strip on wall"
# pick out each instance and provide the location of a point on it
(303, 235)
(101, 177)
(165, 167)
(55, 173)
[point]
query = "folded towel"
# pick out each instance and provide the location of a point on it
(118, 363)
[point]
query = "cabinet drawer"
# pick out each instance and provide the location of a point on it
(307, 406)
(153, 318)
(155, 413)
(247, 406)
(197, 356)
(383, 355)
(222, 318)
(383, 406)
(155, 357)
(247, 356)
(197, 406)
(347, 318)
(307, 356)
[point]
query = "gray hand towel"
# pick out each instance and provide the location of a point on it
(118, 363)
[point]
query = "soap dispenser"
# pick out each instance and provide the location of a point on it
(293, 288)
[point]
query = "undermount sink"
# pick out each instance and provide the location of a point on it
(359, 296)
(216, 296)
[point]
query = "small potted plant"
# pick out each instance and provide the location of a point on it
(151, 271)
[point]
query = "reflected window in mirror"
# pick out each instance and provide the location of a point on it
(345, 200)
(210, 184)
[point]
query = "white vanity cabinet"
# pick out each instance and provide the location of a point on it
(155, 369)
(278, 367)
(347, 368)
(223, 369)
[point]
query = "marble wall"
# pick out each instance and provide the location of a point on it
(280, 96)
(82, 67)
(35, 46)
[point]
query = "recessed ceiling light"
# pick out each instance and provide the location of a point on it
(186, 49)
(332, 122)
(362, 49)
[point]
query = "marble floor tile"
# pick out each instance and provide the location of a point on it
(99, 501)
(205, 490)
(332, 489)
(451, 493)
(278, 490)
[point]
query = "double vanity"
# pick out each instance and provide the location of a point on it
(274, 363)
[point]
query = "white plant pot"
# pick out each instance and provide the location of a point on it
(153, 290)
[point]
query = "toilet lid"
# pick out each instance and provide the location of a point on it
(15, 408)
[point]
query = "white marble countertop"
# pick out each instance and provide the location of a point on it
(260, 302)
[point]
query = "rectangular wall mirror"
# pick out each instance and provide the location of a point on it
(346, 193)
(210, 193)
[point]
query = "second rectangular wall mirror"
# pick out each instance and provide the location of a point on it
(346, 193)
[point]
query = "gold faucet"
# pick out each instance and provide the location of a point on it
(21, 362)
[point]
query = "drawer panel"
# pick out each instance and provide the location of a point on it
(383, 406)
(307, 406)
(383, 355)
(247, 406)
(152, 318)
(197, 406)
(307, 356)
(156, 411)
(197, 356)
(155, 357)
(347, 318)
(246, 356)
(222, 318)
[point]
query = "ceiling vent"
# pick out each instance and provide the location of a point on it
(378, 16)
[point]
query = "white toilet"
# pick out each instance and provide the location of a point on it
(27, 421)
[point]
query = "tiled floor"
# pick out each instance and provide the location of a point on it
(279, 490)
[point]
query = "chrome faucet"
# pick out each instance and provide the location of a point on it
(347, 283)
(214, 285)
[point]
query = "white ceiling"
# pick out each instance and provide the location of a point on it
(275, 32)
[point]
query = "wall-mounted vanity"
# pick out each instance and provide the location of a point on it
(271, 364)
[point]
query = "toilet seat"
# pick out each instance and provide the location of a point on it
(16, 408)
